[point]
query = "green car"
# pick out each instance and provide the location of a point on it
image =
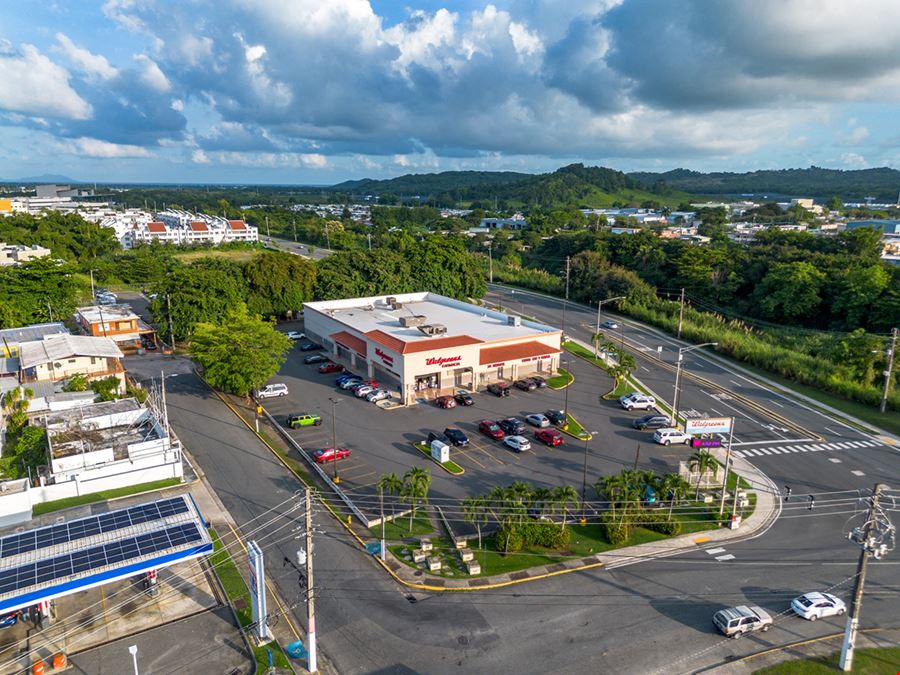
(303, 420)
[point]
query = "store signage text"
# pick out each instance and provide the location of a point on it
(443, 361)
(384, 357)
(706, 443)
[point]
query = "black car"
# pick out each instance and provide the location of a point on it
(512, 426)
(315, 358)
(652, 422)
(539, 381)
(310, 347)
(457, 437)
(464, 398)
(437, 436)
(555, 416)
(526, 384)
(498, 388)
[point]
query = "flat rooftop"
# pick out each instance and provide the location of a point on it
(460, 318)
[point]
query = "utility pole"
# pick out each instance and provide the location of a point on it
(369, 237)
(171, 330)
(50, 309)
(566, 300)
(268, 234)
(335, 477)
(869, 545)
(890, 367)
(490, 246)
(310, 593)
(294, 225)
(93, 295)
(728, 461)
(681, 314)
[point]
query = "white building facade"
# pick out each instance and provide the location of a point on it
(425, 345)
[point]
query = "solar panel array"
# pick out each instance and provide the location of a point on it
(96, 557)
(35, 540)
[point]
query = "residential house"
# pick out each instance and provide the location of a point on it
(58, 357)
(11, 338)
(13, 254)
(517, 222)
(118, 322)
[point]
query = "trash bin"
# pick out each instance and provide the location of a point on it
(734, 522)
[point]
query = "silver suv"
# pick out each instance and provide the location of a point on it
(737, 621)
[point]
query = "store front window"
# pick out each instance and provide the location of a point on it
(429, 381)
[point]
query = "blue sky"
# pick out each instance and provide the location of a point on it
(305, 91)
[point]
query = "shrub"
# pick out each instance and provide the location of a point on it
(614, 530)
(509, 538)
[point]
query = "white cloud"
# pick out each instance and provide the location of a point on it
(401, 160)
(35, 85)
(93, 147)
(313, 160)
(854, 160)
(93, 65)
(200, 157)
(151, 75)
(178, 105)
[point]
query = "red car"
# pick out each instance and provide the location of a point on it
(445, 402)
(549, 436)
(331, 368)
(492, 429)
(330, 454)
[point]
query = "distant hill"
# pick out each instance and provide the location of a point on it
(883, 183)
(573, 185)
(43, 178)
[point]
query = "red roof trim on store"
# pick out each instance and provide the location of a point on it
(349, 341)
(423, 345)
(514, 352)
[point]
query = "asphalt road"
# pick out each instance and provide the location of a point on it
(305, 250)
(651, 617)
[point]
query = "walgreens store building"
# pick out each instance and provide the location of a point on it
(424, 345)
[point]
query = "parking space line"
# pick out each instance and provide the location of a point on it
(857, 472)
(725, 557)
(714, 551)
(468, 456)
(835, 460)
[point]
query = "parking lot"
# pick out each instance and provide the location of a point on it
(381, 440)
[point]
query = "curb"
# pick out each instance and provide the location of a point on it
(568, 384)
(440, 464)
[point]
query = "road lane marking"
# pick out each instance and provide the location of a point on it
(715, 551)
(835, 460)
(775, 403)
(857, 472)
(765, 451)
(844, 446)
(831, 431)
(715, 411)
(736, 384)
(775, 451)
(723, 558)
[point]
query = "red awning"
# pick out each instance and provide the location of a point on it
(514, 352)
(352, 342)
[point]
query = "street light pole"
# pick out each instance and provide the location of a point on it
(597, 331)
(133, 650)
(566, 403)
(681, 352)
(335, 477)
(584, 477)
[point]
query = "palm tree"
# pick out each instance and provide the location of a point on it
(542, 499)
(522, 495)
(393, 485)
(497, 500)
(15, 405)
(416, 482)
(612, 487)
(701, 462)
(475, 510)
(674, 485)
(565, 495)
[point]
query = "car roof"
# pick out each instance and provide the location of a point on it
(739, 612)
(816, 596)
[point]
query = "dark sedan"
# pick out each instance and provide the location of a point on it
(464, 398)
(556, 416)
(457, 437)
(498, 389)
(512, 426)
(539, 381)
(315, 358)
(526, 384)
(310, 347)
(652, 422)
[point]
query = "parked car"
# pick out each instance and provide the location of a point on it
(330, 454)
(549, 436)
(670, 435)
(611, 325)
(637, 402)
(539, 381)
(272, 390)
(512, 425)
(296, 335)
(437, 436)
(9, 619)
(652, 422)
(331, 368)
(736, 622)
(445, 402)
(556, 416)
(310, 347)
(492, 429)
(315, 358)
(350, 382)
(363, 390)
(378, 395)
(525, 385)
(518, 443)
(498, 388)
(346, 376)
(537, 420)
(464, 398)
(457, 437)
(816, 605)
(303, 420)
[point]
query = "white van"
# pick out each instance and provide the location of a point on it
(671, 435)
(272, 390)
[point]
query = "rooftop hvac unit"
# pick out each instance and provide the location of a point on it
(413, 320)
(432, 329)
(396, 306)
(513, 320)
(390, 300)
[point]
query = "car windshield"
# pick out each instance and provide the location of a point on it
(493, 427)
(803, 600)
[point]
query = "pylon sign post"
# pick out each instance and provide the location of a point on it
(258, 590)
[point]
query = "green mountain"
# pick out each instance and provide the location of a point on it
(883, 183)
(573, 185)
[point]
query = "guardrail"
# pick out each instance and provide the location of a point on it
(322, 474)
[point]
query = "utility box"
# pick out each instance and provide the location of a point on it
(440, 451)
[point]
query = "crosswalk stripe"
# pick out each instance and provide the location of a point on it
(764, 451)
(775, 451)
(715, 551)
(866, 444)
(738, 453)
(793, 448)
(723, 558)
(844, 446)
(832, 446)
(803, 448)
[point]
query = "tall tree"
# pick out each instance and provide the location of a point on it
(790, 291)
(416, 483)
(240, 353)
(278, 283)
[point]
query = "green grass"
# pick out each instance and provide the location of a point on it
(395, 530)
(239, 255)
(697, 516)
(450, 467)
(872, 661)
(102, 496)
(584, 353)
(622, 387)
(561, 380)
(573, 427)
(235, 589)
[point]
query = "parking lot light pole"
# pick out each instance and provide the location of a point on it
(681, 352)
(566, 404)
(335, 477)
(597, 331)
(133, 650)
(583, 519)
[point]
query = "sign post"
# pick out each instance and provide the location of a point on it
(258, 590)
